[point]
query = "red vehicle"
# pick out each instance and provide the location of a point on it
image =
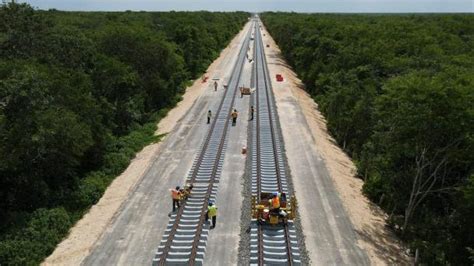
(279, 77)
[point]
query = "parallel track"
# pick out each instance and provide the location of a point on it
(184, 241)
(275, 245)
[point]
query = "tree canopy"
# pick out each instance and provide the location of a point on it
(80, 93)
(397, 92)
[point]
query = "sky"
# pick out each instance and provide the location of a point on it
(344, 6)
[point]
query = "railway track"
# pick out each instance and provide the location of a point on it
(269, 245)
(184, 240)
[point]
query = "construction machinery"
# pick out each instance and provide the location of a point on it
(245, 91)
(262, 211)
(279, 77)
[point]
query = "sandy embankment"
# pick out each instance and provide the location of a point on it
(87, 231)
(382, 247)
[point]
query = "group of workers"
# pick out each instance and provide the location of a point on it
(234, 114)
(178, 194)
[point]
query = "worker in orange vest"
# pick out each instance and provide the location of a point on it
(275, 203)
(175, 196)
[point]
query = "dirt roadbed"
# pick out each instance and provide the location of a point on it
(87, 231)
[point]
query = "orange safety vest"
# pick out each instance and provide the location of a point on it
(276, 202)
(174, 194)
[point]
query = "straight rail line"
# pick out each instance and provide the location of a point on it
(275, 245)
(185, 238)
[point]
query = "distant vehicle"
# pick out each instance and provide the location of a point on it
(245, 91)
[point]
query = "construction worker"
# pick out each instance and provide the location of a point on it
(215, 85)
(175, 196)
(252, 111)
(188, 188)
(275, 203)
(211, 214)
(186, 191)
(209, 116)
(234, 116)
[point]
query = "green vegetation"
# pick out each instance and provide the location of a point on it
(398, 94)
(80, 94)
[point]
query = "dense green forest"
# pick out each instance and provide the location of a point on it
(398, 94)
(80, 93)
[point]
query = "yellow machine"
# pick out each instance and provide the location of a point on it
(245, 91)
(261, 209)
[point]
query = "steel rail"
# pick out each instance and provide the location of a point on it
(235, 78)
(259, 163)
(272, 128)
(221, 148)
(262, 74)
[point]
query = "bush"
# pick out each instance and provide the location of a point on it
(80, 94)
(397, 93)
(29, 245)
(89, 191)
